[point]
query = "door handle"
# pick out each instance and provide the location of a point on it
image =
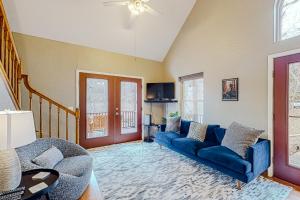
(117, 113)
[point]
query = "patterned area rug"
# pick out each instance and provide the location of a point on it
(145, 172)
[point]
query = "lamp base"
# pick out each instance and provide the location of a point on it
(10, 168)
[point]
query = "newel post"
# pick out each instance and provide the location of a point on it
(77, 116)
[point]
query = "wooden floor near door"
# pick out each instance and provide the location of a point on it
(93, 192)
(295, 195)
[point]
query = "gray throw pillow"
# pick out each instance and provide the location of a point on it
(197, 131)
(239, 138)
(49, 158)
(173, 124)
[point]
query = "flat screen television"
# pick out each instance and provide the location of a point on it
(160, 91)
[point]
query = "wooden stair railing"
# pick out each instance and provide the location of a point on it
(59, 108)
(10, 64)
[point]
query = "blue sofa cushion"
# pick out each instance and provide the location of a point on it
(185, 127)
(167, 137)
(189, 145)
(226, 158)
(210, 134)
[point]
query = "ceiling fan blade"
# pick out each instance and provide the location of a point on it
(151, 11)
(116, 3)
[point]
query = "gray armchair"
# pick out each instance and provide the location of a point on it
(75, 169)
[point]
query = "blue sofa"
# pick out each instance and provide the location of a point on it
(211, 153)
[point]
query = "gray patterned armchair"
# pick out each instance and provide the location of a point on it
(75, 169)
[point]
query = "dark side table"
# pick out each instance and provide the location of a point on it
(27, 182)
(149, 139)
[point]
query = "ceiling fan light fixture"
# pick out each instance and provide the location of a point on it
(136, 7)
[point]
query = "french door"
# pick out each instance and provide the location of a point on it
(287, 118)
(110, 110)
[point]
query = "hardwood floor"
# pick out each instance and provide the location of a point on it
(93, 192)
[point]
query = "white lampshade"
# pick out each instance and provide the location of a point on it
(16, 129)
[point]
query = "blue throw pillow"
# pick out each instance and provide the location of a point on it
(220, 133)
(210, 134)
(184, 127)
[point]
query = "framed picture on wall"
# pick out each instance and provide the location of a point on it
(230, 89)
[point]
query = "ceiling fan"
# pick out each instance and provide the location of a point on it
(136, 7)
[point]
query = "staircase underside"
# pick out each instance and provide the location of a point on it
(6, 100)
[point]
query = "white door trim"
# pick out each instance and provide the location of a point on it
(271, 100)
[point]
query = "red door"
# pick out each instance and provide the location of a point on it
(110, 110)
(287, 118)
(128, 98)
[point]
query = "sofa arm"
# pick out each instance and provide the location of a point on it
(259, 156)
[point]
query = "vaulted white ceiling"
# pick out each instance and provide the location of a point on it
(89, 23)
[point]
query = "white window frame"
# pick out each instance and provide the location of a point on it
(277, 21)
(187, 78)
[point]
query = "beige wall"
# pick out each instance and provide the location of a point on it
(228, 39)
(52, 66)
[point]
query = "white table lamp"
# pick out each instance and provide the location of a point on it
(16, 130)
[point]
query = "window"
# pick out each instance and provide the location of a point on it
(192, 97)
(287, 19)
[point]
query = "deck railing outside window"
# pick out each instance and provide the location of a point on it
(99, 121)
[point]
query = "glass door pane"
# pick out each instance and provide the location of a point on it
(294, 115)
(96, 108)
(128, 107)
